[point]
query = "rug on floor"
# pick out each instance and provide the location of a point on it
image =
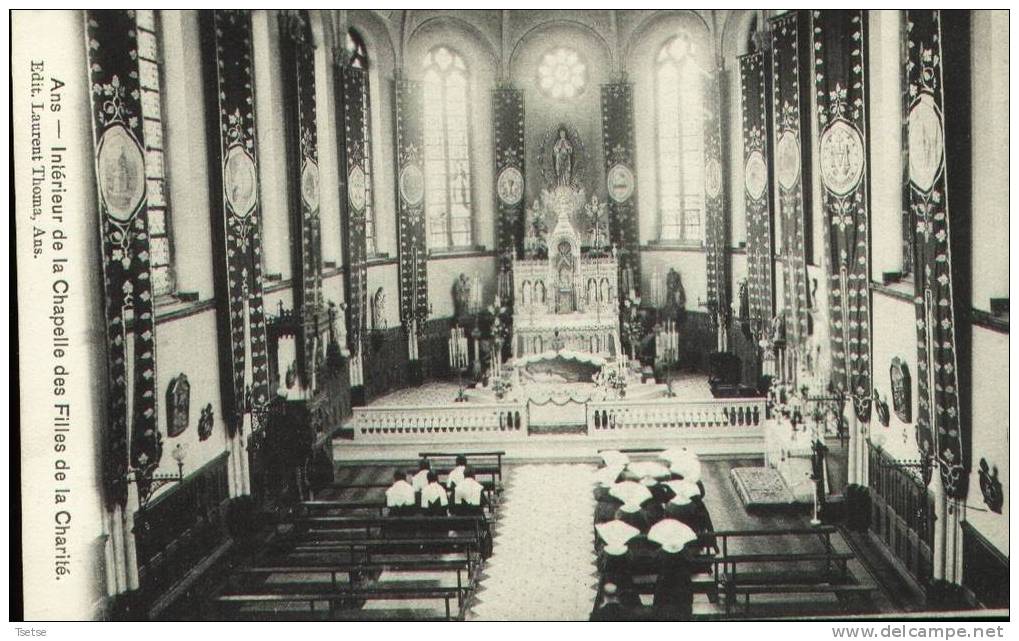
(543, 566)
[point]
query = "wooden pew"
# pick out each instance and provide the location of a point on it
(839, 590)
(490, 490)
(242, 576)
(367, 548)
(229, 604)
(389, 526)
(481, 462)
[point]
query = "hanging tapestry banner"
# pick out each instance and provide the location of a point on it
(790, 42)
(757, 187)
(938, 425)
(354, 143)
(508, 108)
(716, 236)
(236, 220)
(299, 66)
(621, 181)
(840, 39)
(121, 184)
(410, 172)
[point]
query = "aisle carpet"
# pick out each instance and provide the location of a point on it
(543, 563)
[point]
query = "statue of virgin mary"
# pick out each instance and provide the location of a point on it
(562, 156)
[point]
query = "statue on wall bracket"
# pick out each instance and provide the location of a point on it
(178, 403)
(462, 297)
(990, 486)
(901, 390)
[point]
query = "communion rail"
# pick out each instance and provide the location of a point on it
(660, 415)
(506, 421)
(457, 422)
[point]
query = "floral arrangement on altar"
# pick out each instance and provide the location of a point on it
(632, 325)
(500, 386)
(614, 377)
(501, 328)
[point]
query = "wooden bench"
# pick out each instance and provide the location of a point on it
(489, 488)
(729, 563)
(483, 463)
(367, 547)
(334, 598)
(311, 508)
(351, 569)
(734, 591)
(410, 526)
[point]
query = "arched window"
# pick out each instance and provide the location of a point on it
(357, 49)
(447, 149)
(359, 60)
(150, 71)
(679, 105)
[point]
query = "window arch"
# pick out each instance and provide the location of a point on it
(447, 149)
(358, 59)
(679, 116)
(150, 72)
(357, 49)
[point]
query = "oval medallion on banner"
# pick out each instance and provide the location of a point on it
(121, 171)
(240, 181)
(620, 183)
(510, 186)
(356, 193)
(787, 155)
(755, 175)
(309, 184)
(926, 142)
(841, 157)
(712, 178)
(412, 185)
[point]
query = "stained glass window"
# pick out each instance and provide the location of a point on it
(679, 105)
(359, 59)
(447, 149)
(150, 62)
(562, 74)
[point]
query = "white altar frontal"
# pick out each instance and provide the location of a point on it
(568, 300)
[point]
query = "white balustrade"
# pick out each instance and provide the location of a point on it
(660, 415)
(457, 421)
(509, 421)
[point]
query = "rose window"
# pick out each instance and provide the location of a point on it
(562, 74)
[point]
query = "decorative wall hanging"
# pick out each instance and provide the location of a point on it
(754, 82)
(178, 404)
(205, 423)
(120, 175)
(508, 124)
(236, 219)
(618, 147)
(990, 487)
(297, 52)
(716, 229)
(354, 112)
(902, 389)
(790, 43)
(413, 251)
(840, 40)
(938, 424)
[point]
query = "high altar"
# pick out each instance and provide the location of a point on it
(568, 300)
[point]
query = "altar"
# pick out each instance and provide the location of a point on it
(567, 299)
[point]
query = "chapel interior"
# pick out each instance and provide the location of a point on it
(709, 306)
